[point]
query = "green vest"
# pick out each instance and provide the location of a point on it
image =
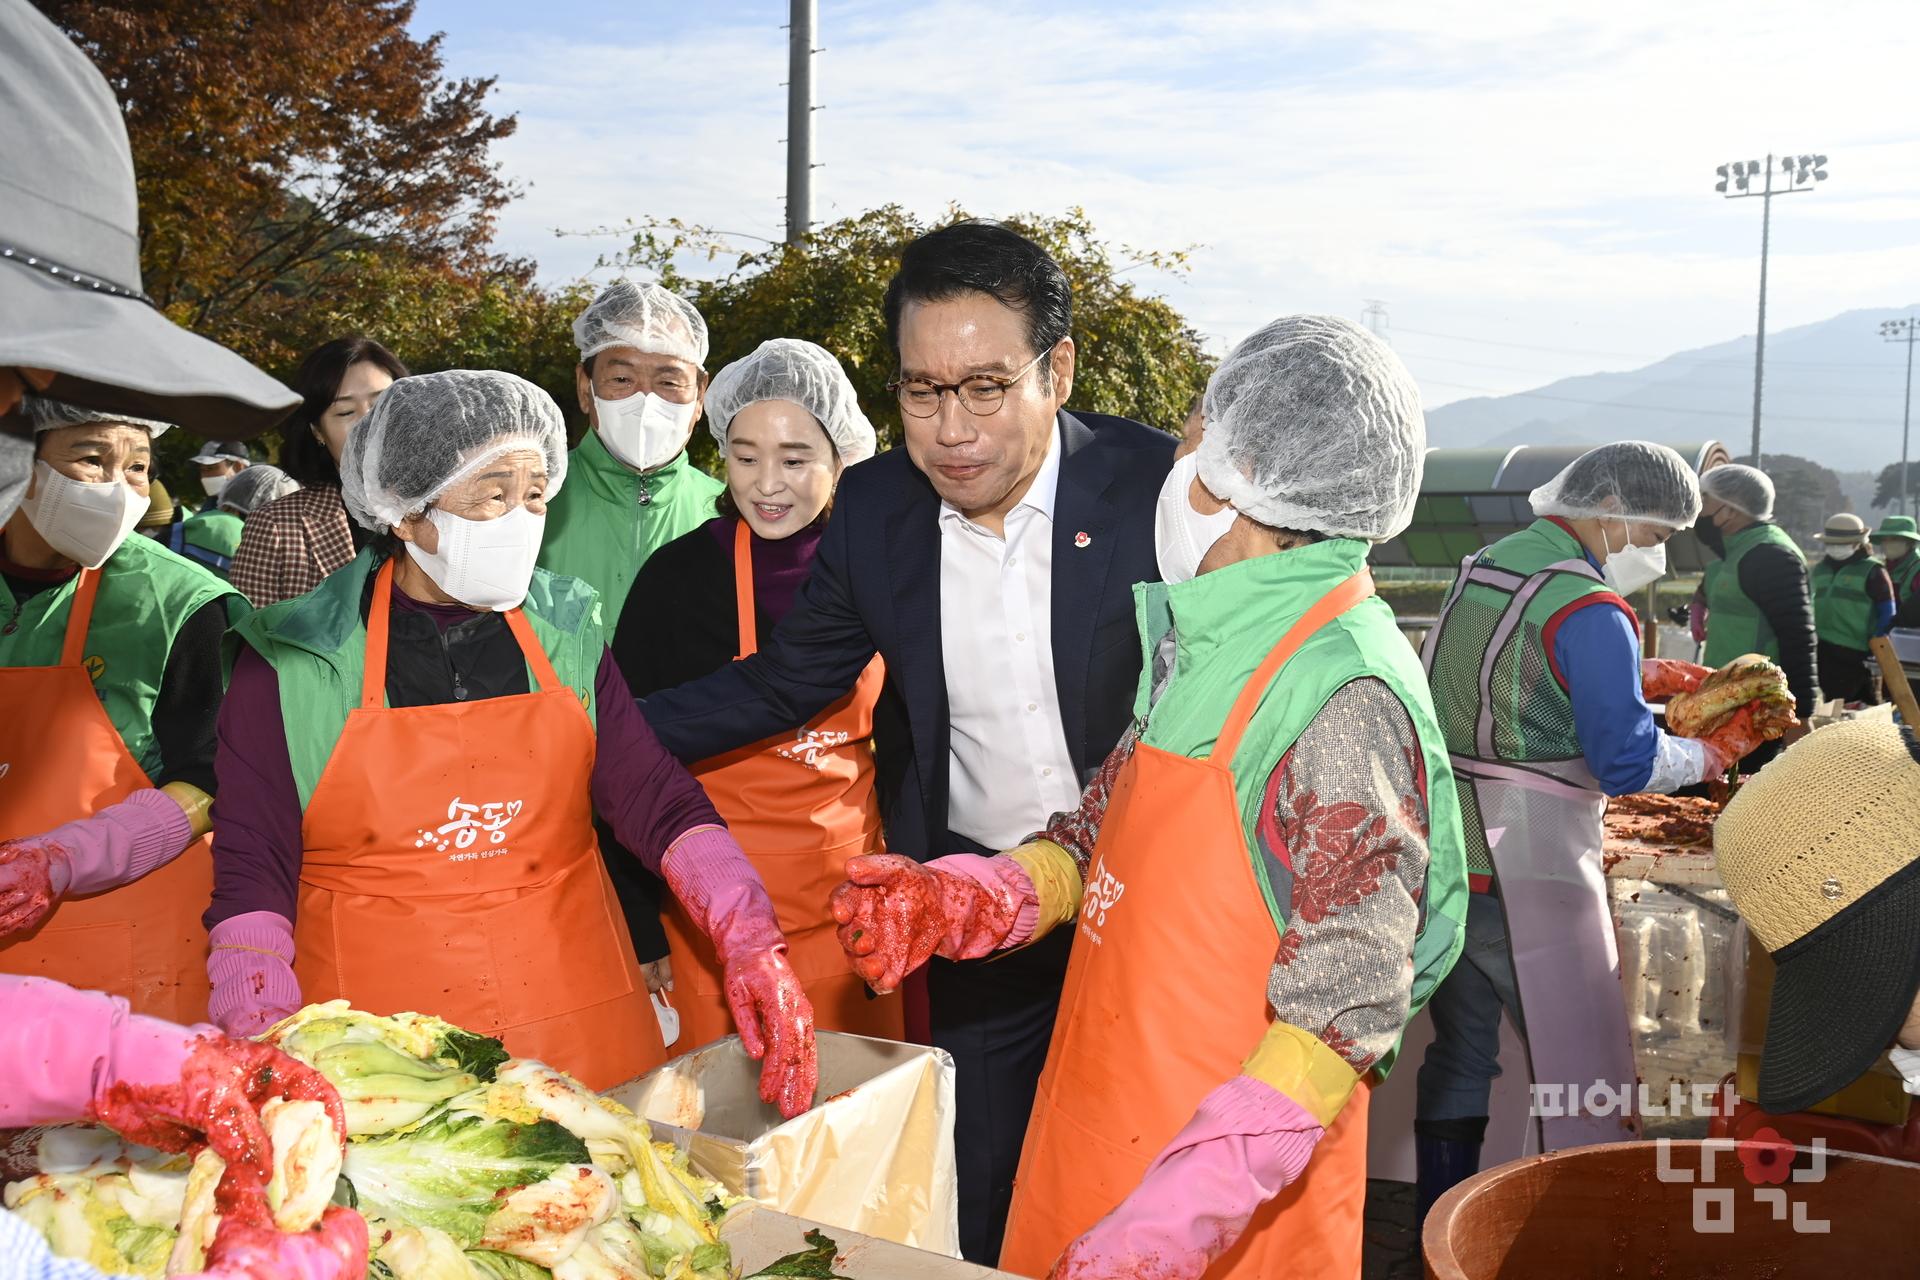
(1225, 623)
(1735, 625)
(1842, 612)
(1903, 572)
(317, 644)
(214, 533)
(606, 520)
(146, 595)
(1505, 596)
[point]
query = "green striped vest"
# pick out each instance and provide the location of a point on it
(1842, 612)
(1225, 623)
(1903, 572)
(1735, 625)
(317, 644)
(146, 595)
(1494, 687)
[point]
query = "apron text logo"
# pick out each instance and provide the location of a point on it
(465, 822)
(807, 748)
(1102, 895)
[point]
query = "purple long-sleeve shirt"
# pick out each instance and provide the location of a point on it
(637, 786)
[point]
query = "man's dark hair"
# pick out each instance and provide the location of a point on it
(318, 382)
(984, 257)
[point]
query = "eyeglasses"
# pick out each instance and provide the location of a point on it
(981, 395)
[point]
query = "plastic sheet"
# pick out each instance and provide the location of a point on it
(874, 1155)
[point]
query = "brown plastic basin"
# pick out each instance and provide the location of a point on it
(1605, 1211)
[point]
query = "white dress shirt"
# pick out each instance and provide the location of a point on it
(1008, 767)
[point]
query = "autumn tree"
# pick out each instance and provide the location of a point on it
(1137, 357)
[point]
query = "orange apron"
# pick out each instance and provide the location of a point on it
(62, 759)
(1165, 997)
(451, 868)
(800, 805)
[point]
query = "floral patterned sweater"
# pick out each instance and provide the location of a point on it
(1343, 833)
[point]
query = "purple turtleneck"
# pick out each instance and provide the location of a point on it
(779, 566)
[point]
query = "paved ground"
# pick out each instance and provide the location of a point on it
(1393, 1247)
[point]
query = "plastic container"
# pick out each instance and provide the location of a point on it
(1673, 1209)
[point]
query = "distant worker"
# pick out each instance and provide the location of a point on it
(1756, 595)
(211, 535)
(1896, 540)
(1852, 602)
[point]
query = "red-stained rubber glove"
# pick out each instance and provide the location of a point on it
(336, 1249)
(1661, 678)
(247, 1246)
(1697, 620)
(719, 888)
(81, 1055)
(1736, 738)
(894, 914)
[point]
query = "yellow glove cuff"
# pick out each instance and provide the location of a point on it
(1056, 880)
(1302, 1067)
(197, 805)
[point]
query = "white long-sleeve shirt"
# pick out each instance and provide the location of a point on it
(1008, 767)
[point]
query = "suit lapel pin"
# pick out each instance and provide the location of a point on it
(1081, 539)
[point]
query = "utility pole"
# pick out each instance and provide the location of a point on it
(1906, 330)
(1375, 317)
(800, 51)
(1799, 173)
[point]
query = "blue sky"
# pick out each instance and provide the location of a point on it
(1506, 174)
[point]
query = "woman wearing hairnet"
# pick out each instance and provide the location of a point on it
(1536, 671)
(417, 748)
(254, 488)
(1266, 875)
(110, 676)
(801, 804)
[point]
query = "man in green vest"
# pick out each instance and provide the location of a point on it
(1537, 676)
(641, 382)
(1852, 603)
(1756, 596)
(211, 535)
(1896, 539)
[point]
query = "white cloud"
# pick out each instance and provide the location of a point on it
(1537, 173)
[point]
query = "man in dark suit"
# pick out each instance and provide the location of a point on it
(990, 562)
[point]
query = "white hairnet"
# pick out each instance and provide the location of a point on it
(51, 415)
(254, 488)
(1740, 486)
(427, 431)
(1313, 424)
(799, 372)
(1627, 480)
(646, 317)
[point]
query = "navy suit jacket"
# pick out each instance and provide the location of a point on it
(875, 588)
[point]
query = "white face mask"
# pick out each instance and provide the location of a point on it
(1631, 568)
(485, 564)
(1907, 1063)
(82, 521)
(214, 485)
(1182, 536)
(644, 431)
(1843, 551)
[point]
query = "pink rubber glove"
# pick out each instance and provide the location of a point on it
(81, 1055)
(251, 968)
(246, 1248)
(115, 846)
(1697, 620)
(719, 888)
(895, 913)
(1245, 1143)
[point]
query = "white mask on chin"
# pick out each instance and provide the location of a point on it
(1182, 536)
(644, 431)
(82, 521)
(484, 564)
